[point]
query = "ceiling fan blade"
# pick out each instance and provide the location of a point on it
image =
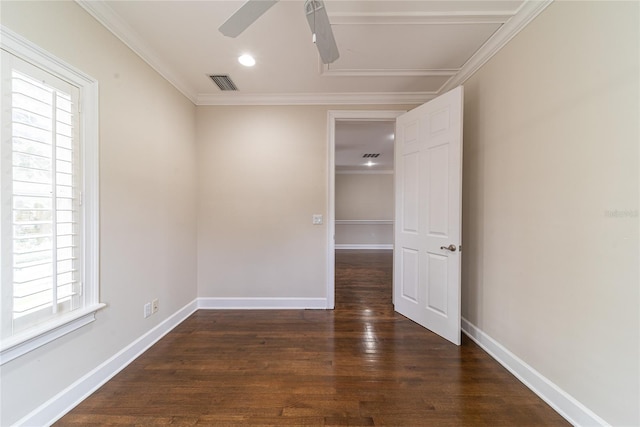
(245, 16)
(321, 27)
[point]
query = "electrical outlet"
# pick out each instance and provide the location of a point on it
(154, 306)
(147, 310)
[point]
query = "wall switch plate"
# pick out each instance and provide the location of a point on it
(147, 310)
(317, 219)
(154, 306)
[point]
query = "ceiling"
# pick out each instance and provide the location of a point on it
(391, 52)
(356, 139)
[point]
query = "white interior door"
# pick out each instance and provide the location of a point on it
(428, 153)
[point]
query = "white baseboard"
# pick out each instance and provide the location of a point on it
(56, 407)
(261, 303)
(562, 402)
(363, 246)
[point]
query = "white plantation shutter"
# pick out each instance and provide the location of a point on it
(49, 234)
(45, 197)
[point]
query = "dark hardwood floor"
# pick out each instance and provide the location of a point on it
(358, 365)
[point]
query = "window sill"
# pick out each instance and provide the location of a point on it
(20, 344)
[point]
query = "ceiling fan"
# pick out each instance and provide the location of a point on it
(316, 16)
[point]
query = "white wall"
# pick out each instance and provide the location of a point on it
(366, 196)
(262, 175)
(551, 148)
(362, 235)
(148, 206)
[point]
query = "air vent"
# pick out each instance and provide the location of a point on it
(224, 82)
(370, 155)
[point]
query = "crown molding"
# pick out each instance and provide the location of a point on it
(326, 70)
(101, 11)
(527, 12)
(359, 98)
(419, 18)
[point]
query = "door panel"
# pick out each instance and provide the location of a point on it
(428, 214)
(437, 295)
(411, 184)
(437, 167)
(410, 273)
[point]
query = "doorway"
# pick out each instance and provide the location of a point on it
(360, 159)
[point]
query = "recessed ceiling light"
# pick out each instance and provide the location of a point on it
(247, 60)
(369, 163)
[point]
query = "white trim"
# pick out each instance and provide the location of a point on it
(17, 345)
(106, 16)
(56, 407)
(527, 12)
(364, 172)
(561, 401)
(90, 153)
(331, 209)
(364, 246)
(360, 98)
(332, 117)
(267, 303)
(419, 18)
(409, 18)
(368, 72)
(364, 221)
(19, 46)
(365, 115)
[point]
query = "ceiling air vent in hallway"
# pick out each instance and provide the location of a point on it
(224, 82)
(370, 155)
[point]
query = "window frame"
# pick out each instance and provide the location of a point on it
(32, 338)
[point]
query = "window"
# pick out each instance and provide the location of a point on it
(48, 198)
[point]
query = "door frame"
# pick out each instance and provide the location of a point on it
(334, 116)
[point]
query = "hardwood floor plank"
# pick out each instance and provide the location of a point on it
(361, 364)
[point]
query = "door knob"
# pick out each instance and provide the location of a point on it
(451, 248)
